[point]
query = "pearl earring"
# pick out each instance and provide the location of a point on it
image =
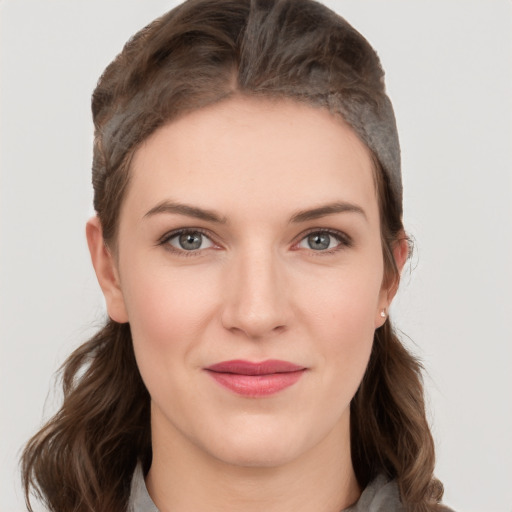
(383, 313)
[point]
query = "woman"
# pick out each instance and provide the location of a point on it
(248, 242)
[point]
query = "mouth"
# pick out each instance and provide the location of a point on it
(256, 379)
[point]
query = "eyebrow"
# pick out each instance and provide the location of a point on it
(185, 209)
(171, 207)
(328, 209)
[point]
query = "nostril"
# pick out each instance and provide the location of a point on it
(254, 324)
(254, 330)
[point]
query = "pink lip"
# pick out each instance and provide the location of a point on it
(256, 379)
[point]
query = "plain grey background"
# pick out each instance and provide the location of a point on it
(449, 74)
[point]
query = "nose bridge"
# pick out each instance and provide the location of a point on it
(256, 301)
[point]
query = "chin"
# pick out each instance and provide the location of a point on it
(259, 454)
(264, 445)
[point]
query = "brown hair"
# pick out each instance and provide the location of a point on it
(200, 53)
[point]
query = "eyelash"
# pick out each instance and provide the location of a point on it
(344, 241)
(164, 241)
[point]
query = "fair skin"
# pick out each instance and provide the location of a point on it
(281, 260)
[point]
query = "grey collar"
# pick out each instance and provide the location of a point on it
(140, 500)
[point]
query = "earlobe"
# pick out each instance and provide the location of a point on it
(388, 292)
(106, 271)
(381, 317)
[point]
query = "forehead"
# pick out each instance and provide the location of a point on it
(250, 152)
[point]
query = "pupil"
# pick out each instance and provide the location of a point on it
(190, 241)
(319, 241)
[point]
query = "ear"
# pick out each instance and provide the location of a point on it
(389, 288)
(106, 271)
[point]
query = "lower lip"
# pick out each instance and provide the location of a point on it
(257, 385)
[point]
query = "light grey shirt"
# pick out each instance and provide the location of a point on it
(381, 495)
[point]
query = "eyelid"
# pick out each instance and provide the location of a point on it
(164, 239)
(345, 241)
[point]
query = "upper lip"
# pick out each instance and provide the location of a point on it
(267, 367)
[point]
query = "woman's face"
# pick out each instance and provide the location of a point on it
(250, 234)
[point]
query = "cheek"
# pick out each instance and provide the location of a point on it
(169, 311)
(345, 298)
(341, 311)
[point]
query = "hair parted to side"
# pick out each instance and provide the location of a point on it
(203, 52)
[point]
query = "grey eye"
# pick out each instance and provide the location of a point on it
(319, 241)
(190, 241)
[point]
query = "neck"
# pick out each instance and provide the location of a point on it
(183, 478)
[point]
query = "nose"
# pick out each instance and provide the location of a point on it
(255, 299)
